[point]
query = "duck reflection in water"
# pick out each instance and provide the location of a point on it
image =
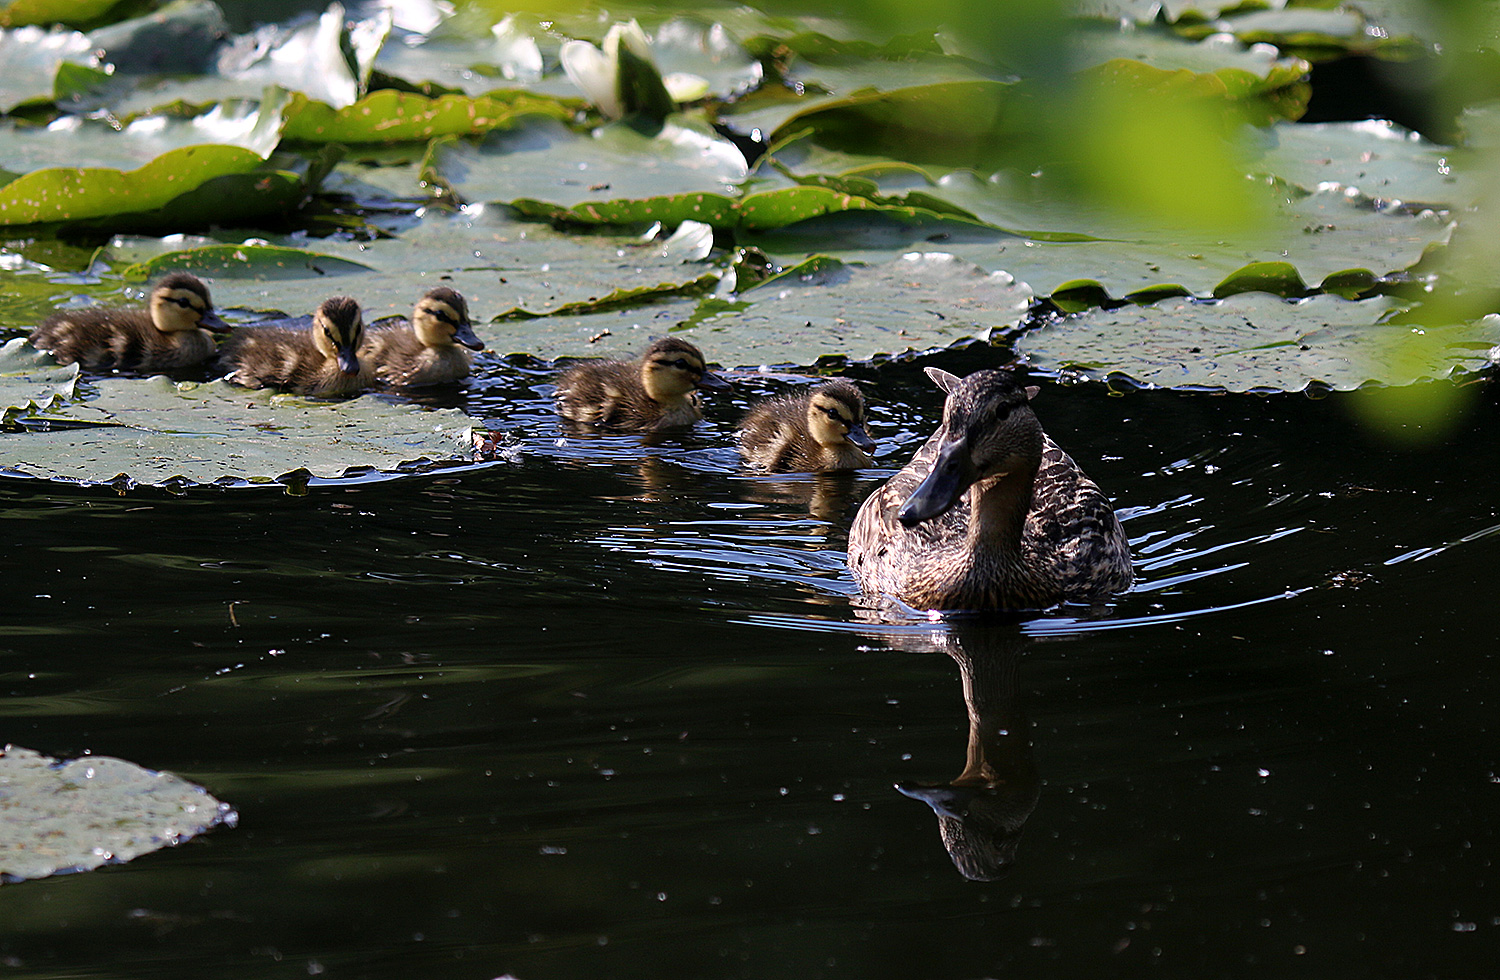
(831, 497)
(982, 811)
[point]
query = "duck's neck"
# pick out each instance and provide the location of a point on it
(998, 509)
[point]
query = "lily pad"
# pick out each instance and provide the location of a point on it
(32, 379)
(388, 116)
(31, 57)
(322, 59)
(156, 432)
(1377, 160)
(1256, 341)
(81, 814)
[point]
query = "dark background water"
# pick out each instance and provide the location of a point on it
(606, 708)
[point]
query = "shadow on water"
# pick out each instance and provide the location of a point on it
(608, 707)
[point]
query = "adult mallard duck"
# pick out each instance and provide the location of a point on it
(818, 430)
(658, 391)
(426, 350)
(171, 332)
(990, 514)
(316, 359)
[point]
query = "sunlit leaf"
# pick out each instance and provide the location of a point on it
(388, 116)
(83, 813)
(1375, 159)
(154, 431)
(179, 38)
(1255, 340)
(31, 57)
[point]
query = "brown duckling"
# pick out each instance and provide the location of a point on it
(658, 391)
(426, 350)
(316, 359)
(990, 514)
(818, 430)
(171, 332)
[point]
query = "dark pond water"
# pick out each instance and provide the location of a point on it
(607, 710)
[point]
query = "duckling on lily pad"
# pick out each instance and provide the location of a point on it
(320, 358)
(657, 391)
(426, 350)
(815, 431)
(171, 332)
(990, 514)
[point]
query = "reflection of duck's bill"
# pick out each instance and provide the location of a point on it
(946, 801)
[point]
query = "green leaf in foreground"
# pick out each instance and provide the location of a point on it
(155, 432)
(1255, 341)
(78, 815)
(388, 116)
(30, 378)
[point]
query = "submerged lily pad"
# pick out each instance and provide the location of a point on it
(154, 432)
(79, 815)
(1257, 341)
(32, 379)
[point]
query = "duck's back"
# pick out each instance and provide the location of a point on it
(399, 358)
(610, 393)
(1072, 548)
(283, 355)
(774, 435)
(125, 340)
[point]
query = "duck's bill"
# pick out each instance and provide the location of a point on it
(951, 475)
(711, 380)
(465, 335)
(211, 322)
(348, 362)
(860, 437)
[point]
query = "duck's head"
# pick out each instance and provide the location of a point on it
(441, 319)
(836, 415)
(988, 432)
(671, 368)
(338, 328)
(180, 303)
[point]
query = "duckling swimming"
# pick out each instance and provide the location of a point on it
(818, 430)
(658, 391)
(171, 332)
(425, 351)
(320, 359)
(990, 514)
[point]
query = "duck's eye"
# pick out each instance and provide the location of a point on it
(682, 365)
(833, 413)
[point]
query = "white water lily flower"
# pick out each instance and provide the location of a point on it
(623, 79)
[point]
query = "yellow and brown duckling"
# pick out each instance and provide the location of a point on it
(171, 332)
(317, 359)
(658, 391)
(818, 430)
(990, 514)
(426, 350)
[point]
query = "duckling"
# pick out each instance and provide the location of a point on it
(658, 391)
(171, 332)
(320, 359)
(818, 430)
(425, 351)
(990, 514)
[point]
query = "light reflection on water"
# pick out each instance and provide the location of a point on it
(506, 708)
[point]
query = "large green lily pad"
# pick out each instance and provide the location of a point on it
(153, 432)
(32, 379)
(84, 813)
(1376, 159)
(31, 57)
(1256, 341)
(388, 116)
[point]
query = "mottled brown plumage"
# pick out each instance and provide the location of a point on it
(424, 351)
(990, 514)
(311, 359)
(815, 431)
(172, 332)
(658, 391)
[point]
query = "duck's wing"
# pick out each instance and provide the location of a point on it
(1073, 526)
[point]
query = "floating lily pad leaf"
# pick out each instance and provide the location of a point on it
(73, 13)
(380, 177)
(388, 116)
(1257, 341)
(1302, 28)
(180, 38)
(618, 332)
(1379, 160)
(920, 301)
(158, 432)
(506, 56)
(310, 58)
(31, 57)
(32, 379)
(707, 52)
(541, 160)
(1145, 11)
(259, 262)
(78, 815)
(1242, 69)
